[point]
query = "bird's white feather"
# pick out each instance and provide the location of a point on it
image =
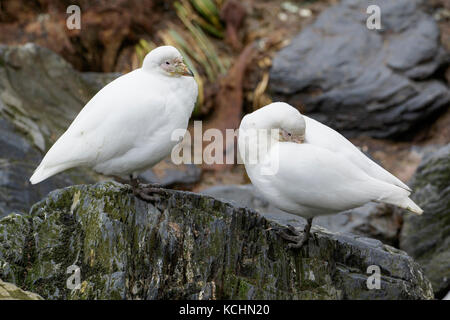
(321, 135)
(323, 175)
(126, 127)
(312, 180)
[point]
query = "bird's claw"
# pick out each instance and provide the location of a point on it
(148, 193)
(298, 244)
(296, 239)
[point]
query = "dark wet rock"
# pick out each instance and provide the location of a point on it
(379, 83)
(374, 220)
(9, 291)
(18, 159)
(187, 246)
(427, 237)
(40, 92)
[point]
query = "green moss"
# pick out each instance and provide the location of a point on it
(171, 249)
(243, 290)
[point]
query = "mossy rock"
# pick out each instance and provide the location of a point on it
(9, 291)
(187, 246)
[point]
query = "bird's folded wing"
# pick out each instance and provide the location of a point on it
(109, 125)
(321, 135)
(316, 177)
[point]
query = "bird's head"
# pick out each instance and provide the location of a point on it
(166, 60)
(279, 116)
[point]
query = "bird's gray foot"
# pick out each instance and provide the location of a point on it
(134, 183)
(147, 192)
(296, 240)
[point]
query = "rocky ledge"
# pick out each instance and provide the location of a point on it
(9, 291)
(187, 246)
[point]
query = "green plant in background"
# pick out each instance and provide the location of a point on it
(208, 11)
(142, 48)
(197, 17)
(185, 13)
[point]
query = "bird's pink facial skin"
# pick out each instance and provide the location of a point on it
(176, 67)
(286, 136)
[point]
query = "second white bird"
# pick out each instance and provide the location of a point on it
(319, 172)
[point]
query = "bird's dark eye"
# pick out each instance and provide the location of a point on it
(289, 134)
(167, 62)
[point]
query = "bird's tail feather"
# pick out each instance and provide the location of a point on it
(400, 197)
(413, 207)
(42, 173)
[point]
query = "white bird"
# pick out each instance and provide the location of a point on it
(316, 170)
(126, 127)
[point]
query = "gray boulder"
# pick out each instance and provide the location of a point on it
(168, 174)
(427, 237)
(187, 246)
(380, 83)
(18, 159)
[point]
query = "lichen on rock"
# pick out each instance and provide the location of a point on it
(187, 246)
